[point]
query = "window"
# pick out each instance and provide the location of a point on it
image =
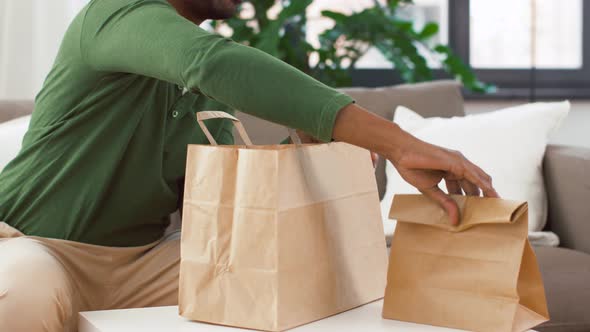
(527, 47)
(421, 12)
(532, 48)
(373, 69)
(543, 33)
(318, 24)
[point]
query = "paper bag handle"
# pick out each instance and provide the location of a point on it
(207, 115)
(295, 139)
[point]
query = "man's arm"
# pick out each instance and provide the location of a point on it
(150, 38)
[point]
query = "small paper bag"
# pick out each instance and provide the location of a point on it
(481, 275)
(278, 236)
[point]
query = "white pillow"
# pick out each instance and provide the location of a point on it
(508, 144)
(11, 137)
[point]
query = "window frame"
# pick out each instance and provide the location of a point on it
(511, 83)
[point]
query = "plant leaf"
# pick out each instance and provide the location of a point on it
(429, 30)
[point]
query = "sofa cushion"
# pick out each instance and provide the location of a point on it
(12, 109)
(439, 98)
(567, 175)
(431, 99)
(566, 274)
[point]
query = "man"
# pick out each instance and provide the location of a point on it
(85, 203)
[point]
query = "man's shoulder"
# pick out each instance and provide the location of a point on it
(104, 9)
(116, 4)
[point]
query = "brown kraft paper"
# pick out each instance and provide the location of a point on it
(481, 275)
(279, 236)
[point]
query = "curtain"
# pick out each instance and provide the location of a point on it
(30, 35)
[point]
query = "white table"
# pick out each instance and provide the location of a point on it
(365, 318)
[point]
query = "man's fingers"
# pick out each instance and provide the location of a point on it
(469, 188)
(479, 178)
(445, 201)
(463, 169)
(489, 190)
(453, 187)
(486, 185)
(487, 180)
(491, 193)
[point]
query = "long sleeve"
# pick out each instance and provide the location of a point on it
(148, 37)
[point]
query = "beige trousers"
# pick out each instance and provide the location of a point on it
(44, 283)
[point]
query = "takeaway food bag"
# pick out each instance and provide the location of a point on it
(278, 236)
(480, 276)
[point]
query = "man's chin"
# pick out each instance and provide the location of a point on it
(224, 13)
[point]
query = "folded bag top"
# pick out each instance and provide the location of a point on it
(473, 211)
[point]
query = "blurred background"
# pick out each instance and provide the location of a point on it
(504, 51)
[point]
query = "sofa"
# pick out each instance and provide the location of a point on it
(565, 270)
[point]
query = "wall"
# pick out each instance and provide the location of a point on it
(30, 34)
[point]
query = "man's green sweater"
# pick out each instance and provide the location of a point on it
(107, 142)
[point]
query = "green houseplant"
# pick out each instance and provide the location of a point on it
(379, 26)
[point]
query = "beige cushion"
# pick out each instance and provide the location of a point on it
(439, 98)
(566, 275)
(567, 176)
(12, 109)
(430, 99)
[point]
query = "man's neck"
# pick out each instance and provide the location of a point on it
(183, 9)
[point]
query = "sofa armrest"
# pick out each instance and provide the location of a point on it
(567, 177)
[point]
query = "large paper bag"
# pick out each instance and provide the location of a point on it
(278, 236)
(480, 276)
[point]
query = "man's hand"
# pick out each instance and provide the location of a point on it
(424, 166)
(421, 164)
